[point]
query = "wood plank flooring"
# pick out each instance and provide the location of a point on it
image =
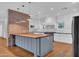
(59, 50)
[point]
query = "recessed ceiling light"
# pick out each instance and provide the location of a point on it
(39, 12)
(74, 2)
(51, 8)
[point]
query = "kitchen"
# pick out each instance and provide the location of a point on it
(51, 20)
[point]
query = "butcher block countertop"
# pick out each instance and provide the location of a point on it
(32, 35)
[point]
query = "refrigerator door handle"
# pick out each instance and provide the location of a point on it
(72, 33)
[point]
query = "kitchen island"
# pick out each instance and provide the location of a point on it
(39, 44)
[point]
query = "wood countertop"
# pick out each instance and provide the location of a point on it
(32, 35)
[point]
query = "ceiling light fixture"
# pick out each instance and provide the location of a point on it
(51, 8)
(39, 12)
(74, 2)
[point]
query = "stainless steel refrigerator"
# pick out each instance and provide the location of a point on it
(75, 35)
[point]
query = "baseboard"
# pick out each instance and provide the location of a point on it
(63, 42)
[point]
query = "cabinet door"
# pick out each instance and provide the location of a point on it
(22, 42)
(17, 40)
(51, 38)
(27, 43)
(45, 45)
(34, 45)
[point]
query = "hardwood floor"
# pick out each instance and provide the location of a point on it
(59, 50)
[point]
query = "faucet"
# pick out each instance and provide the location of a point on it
(43, 26)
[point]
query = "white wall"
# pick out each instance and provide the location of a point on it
(1, 30)
(66, 38)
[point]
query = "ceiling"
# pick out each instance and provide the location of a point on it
(39, 9)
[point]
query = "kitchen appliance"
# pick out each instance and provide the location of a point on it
(75, 35)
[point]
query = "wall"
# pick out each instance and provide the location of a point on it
(67, 18)
(40, 24)
(66, 38)
(1, 28)
(4, 14)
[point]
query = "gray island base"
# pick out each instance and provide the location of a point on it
(40, 45)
